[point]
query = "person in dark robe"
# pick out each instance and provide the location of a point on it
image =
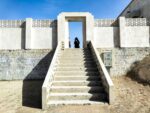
(76, 43)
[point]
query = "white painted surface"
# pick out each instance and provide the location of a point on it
(28, 33)
(11, 38)
(104, 36)
(137, 36)
(41, 38)
(85, 17)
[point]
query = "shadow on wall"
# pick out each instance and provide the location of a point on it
(32, 84)
(139, 71)
(116, 36)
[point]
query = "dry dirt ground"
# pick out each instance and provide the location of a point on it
(25, 97)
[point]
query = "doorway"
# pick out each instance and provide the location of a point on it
(75, 30)
(87, 21)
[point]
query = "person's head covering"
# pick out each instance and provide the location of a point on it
(76, 38)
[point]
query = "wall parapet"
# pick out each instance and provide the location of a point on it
(21, 23)
(44, 23)
(12, 23)
(136, 22)
(106, 23)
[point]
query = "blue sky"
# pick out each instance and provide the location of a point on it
(21, 9)
(49, 9)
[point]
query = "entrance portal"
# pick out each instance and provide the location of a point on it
(75, 30)
(63, 26)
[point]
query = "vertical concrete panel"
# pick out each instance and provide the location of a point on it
(122, 28)
(28, 35)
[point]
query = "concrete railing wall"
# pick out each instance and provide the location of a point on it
(106, 80)
(50, 75)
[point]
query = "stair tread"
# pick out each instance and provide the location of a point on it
(77, 76)
(73, 102)
(69, 87)
(72, 81)
(75, 94)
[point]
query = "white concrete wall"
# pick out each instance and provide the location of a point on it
(105, 36)
(41, 38)
(133, 36)
(137, 36)
(11, 38)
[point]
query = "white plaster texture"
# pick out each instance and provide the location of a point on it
(104, 36)
(41, 38)
(11, 38)
(28, 33)
(85, 17)
(137, 36)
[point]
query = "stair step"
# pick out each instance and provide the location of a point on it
(79, 56)
(74, 73)
(77, 78)
(76, 49)
(75, 69)
(76, 56)
(77, 96)
(75, 89)
(76, 59)
(77, 83)
(78, 65)
(74, 102)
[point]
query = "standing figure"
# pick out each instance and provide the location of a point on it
(69, 43)
(76, 43)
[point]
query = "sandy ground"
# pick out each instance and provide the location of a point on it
(25, 97)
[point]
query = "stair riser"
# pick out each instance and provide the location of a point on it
(75, 66)
(78, 84)
(75, 56)
(77, 90)
(74, 73)
(76, 53)
(75, 78)
(84, 97)
(75, 69)
(76, 61)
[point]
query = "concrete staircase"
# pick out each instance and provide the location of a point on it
(76, 79)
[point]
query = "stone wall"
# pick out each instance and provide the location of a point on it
(24, 64)
(123, 58)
